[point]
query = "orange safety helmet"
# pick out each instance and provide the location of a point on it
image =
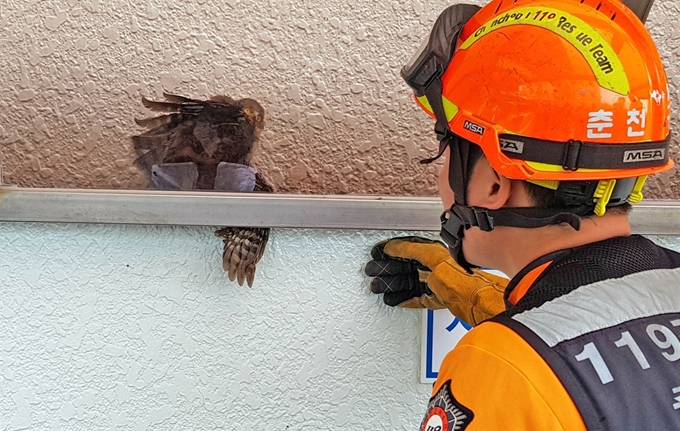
(567, 94)
(556, 90)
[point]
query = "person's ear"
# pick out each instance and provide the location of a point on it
(487, 188)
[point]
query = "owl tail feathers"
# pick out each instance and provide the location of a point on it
(243, 248)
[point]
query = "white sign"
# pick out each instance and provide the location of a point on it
(441, 332)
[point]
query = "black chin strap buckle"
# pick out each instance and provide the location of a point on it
(474, 216)
(455, 222)
(460, 218)
(571, 155)
(453, 228)
(443, 135)
(482, 219)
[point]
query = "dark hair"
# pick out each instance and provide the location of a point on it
(542, 197)
(474, 154)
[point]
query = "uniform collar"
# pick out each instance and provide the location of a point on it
(521, 283)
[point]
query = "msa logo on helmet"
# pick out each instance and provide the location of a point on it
(474, 128)
(644, 155)
(511, 146)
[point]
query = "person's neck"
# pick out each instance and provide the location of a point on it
(518, 247)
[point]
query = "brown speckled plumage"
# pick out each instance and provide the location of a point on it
(206, 133)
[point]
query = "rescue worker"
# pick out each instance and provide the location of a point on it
(550, 114)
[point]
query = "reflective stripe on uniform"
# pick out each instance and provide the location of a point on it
(601, 305)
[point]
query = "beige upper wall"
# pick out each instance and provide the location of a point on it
(340, 119)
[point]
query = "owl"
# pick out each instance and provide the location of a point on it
(208, 145)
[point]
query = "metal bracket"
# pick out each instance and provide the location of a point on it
(3, 184)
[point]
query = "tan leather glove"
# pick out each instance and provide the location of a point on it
(417, 272)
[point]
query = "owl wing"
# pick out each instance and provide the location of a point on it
(168, 138)
(243, 249)
(202, 132)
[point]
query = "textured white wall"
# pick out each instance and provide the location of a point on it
(135, 328)
(340, 118)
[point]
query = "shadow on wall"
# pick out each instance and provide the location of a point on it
(339, 117)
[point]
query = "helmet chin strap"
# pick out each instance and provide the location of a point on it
(461, 217)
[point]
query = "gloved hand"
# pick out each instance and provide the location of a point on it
(417, 272)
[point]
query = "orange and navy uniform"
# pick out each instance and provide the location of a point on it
(590, 341)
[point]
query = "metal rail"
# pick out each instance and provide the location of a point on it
(218, 209)
(153, 207)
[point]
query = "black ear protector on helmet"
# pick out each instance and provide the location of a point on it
(424, 71)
